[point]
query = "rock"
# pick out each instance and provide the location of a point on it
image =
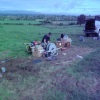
(3, 69)
(0, 75)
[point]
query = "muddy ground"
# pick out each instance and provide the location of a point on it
(64, 57)
(52, 74)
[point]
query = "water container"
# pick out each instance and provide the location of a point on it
(81, 38)
(3, 69)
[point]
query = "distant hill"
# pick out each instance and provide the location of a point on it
(18, 12)
(25, 12)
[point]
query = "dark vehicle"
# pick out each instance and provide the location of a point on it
(92, 27)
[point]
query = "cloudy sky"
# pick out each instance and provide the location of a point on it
(89, 7)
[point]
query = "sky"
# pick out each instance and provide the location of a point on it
(88, 7)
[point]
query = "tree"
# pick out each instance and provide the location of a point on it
(81, 19)
(97, 17)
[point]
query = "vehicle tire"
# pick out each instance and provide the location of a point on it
(99, 33)
(86, 34)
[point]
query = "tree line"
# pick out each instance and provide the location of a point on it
(48, 18)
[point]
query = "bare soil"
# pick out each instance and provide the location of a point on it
(39, 67)
(66, 56)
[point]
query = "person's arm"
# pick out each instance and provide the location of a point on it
(48, 42)
(44, 40)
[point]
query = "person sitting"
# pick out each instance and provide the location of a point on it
(61, 37)
(63, 40)
(46, 40)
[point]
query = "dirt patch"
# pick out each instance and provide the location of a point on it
(51, 74)
(71, 54)
(26, 65)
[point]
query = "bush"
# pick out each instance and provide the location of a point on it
(60, 24)
(72, 23)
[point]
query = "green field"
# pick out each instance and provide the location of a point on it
(77, 81)
(13, 37)
(19, 21)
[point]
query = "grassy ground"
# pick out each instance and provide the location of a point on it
(78, 81)
(19, 21)
(13, 37)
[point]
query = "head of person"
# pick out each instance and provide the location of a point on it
(49, 34)
(62, 35)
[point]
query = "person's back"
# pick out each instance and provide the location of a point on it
(45, 40)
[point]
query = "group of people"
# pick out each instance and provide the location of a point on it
(46, 39)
